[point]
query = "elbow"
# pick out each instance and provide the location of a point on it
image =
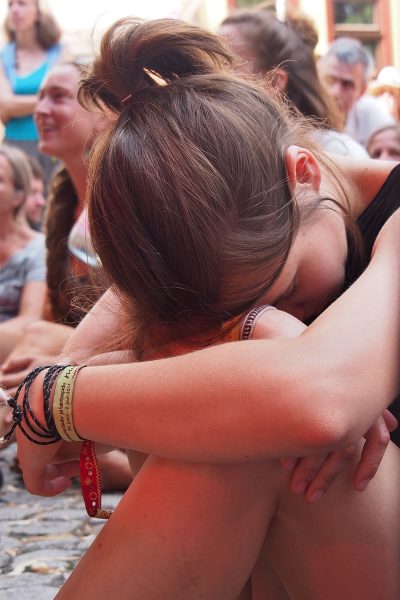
(325, 422)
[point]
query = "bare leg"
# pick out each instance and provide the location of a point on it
(181, 531)
(347, 546)
(195, 531)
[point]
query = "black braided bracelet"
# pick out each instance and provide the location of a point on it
(23, 415)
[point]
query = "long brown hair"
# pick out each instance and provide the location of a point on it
(190, 208)
(289, 45)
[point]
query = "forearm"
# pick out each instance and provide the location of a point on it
(98, 332)
(16, 105)
(258, 399)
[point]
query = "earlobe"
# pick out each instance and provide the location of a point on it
(302, 167)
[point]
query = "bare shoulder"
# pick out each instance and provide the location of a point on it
(367, 175)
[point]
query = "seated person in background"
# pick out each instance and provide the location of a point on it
(36, 200)
(22, 251)
(345, 69)
(386, 88)
(385, 143)
(283, 52)
(67, 131)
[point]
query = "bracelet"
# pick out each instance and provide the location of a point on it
(23, 415)
(62, 404)
(59, 425)
(90, 482)
(247, 329)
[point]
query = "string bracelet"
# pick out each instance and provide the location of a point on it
(88, 466)
(62, 404)
(23, 415)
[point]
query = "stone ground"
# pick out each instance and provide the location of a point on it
(41, 539)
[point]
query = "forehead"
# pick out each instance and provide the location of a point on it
(63, 76)
(240, 46)
(331, 67)
(385, 137)
(29, 3)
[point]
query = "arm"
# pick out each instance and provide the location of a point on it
(262, 398)
(105, 321)
(14, 105)
(31, 306)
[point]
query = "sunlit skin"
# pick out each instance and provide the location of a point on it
(385, 144)
(313, 275)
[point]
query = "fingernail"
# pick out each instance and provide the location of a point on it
(315, 496)
(362, 485)
(300, 488)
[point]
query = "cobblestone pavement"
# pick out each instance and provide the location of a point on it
(41, 539)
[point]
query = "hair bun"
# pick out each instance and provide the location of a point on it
(135, 55)
(304, 27)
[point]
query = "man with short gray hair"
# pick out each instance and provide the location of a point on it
(345, 70)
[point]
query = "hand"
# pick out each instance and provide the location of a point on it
(42, 471)
(15, 369)
(313, 475)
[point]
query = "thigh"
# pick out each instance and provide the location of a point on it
(348, 545)
(182, 530)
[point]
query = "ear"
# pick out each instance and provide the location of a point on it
(302, 168)
(280, 79)
(18, 200)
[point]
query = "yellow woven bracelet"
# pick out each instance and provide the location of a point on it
(62, 404)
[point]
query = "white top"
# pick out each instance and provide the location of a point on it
(337, 142)
(366, 116)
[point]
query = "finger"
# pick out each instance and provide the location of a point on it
(288, 463)
(304, 472)
(12, 380)
(67, 469)
(330, 469)
(48, 480)
(16, 363)
(377, 440)
(390, 420)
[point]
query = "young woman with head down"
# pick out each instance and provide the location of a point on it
(206, 201)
